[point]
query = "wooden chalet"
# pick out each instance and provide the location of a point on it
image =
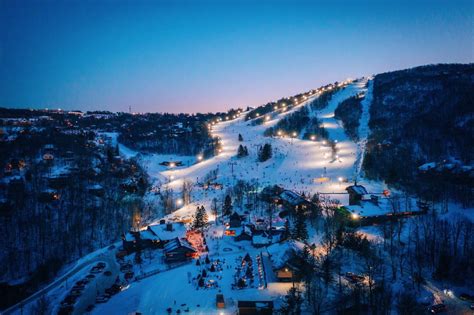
(235, 220)
(356, 193)
(220, 302)
(178, 250)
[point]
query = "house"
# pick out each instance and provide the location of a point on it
(289, 271)
(155, 236)
(220, 303)
(255, 307)
(356, 193)
(294, 201)
(130, 242)
(245, 234)
(235, 220)
(168, 231)
(260, 239)
(178, 250)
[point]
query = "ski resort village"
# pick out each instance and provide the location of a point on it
(304, 205)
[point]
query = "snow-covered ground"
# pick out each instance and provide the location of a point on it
(298, 165)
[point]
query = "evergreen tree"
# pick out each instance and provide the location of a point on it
(200, 218)
(227, 208)
(292, 303)
(287, 233)
(242, 151)
(265, 152)
(300, 231)
(241, 138)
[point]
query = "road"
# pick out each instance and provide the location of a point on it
(59, 281)
(454, 305)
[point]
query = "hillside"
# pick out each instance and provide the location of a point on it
(424, 115)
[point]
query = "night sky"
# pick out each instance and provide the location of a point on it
(191, 56)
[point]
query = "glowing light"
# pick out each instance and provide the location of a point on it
(293, 134)
(179, 202)
(324, 142)
(313, 138)
(257, 115)
(267, 118)
(172, 177)
(172, 164)
(340, 179)
(355, 216)
(279, 132)
(199, 157)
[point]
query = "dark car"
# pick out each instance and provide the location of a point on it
(90, 276)
(101, 265)
(90, 308)
(78, 287)
(438, 308)
(66, 310)
(471, 306)
(71, 299)
(466, 297)
(114, 289)
(108, 273)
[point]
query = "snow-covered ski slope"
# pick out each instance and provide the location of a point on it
(299, 165)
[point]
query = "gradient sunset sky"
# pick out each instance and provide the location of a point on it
(195, 56)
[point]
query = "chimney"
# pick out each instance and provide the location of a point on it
(169, 227)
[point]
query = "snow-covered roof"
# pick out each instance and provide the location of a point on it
(148, 235)
(129, 237)
(177, 243)
(291, 197)
(261, 239)
(358, 189)
(282, 252)
(427, 166)
(160, 230)
(368, 208)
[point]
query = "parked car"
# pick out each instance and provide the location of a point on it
(71, 299)
(66, 310)
(466, 297)
(129, 275)
(96, 270)
(108, 273)
(90, 277)
(78, 287)
(90, 308)
(114, 289)
(471, 306)
(438, 308)
(101, 299)
(100, 265)
(75, 292)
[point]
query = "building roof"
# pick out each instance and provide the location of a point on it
(369, 209)
(292, 197)
(160, 230)
(177, 243)
(357, 189)
(235, 216)
(148, 235)
(129, 237)
(261, 239)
